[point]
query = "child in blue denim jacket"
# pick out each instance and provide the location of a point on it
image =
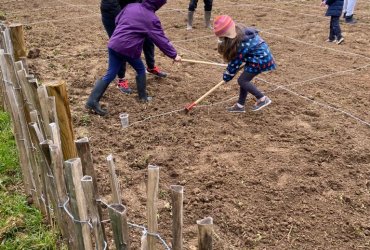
(240, 45)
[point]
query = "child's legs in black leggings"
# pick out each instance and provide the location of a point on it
(331, 30)
(336, 27)
(246, 86)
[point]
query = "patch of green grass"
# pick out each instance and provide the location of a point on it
(21, 225)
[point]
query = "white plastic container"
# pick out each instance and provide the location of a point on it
(124, 120)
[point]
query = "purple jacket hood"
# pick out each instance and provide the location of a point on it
(138, 22)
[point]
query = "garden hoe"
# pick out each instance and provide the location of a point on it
(190, 106)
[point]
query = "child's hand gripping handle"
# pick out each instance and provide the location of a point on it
(190, 106)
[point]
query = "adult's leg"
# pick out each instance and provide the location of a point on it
(207, 13)
(246, 86)
(191, 9)
(149, 53)
(193, 5)
(345, 8)
(350, 7)
(208, 5)
(109, 24)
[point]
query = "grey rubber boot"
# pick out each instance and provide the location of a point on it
(189, 25)
(207, 19)
(94, 98)
(141, 88)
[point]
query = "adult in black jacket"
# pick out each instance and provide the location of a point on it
(109, 10)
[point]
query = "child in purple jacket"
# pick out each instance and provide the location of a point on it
(135, 23)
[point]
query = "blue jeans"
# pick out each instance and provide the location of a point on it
(109, 24)
(115, 62)
(246, 86)
(207, 5)
(335, 31)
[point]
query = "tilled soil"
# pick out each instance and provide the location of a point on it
(292, 176)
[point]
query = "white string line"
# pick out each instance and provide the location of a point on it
(61, 20)
(278, 87)
(75, 18)
(77, 6)
(311, 6)
(317, 46)
(331, 74)
(42, 8)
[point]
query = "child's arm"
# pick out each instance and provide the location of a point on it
(232, 69)
(158, 37)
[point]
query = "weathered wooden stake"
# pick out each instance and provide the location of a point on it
(205, 229)
(118, 219)
(88, 188)
(116, 192)
(43, 99)
(18, 118)
(17, 37)
(73, 174)
(177, 194)
(152, 210)
(84, 153)
(59, 90)
(74, 229)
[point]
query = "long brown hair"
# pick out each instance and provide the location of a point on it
(228, 48)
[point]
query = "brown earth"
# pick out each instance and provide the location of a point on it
(293, 176)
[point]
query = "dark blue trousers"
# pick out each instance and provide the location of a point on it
(246, 86)
(109, 24)
(115, 62)
(335, 31)
(207, 5)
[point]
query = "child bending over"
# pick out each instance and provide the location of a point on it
(134, 24)
(238, 44)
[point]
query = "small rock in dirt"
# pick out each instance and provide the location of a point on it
(195, 191)
(33, 53)
(196, 145)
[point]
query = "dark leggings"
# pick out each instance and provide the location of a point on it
(335, 31)
(246, 86)
(207, 5)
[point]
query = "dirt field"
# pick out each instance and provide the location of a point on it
(293, 176)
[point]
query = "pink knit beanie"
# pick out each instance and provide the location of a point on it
(224, 26)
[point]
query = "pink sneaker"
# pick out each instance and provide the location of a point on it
(123, 86)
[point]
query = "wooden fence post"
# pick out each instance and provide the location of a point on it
(118, 219)
(152, 210)
(56, 161)
(73, 176)
(17, 37)
(18, 131)
(84, 153)
(177, 194)
(205, 229)
(59, 90)
(88, 188)
(116, 192)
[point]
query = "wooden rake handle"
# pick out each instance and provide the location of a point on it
(203, 62)
(190, 106)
